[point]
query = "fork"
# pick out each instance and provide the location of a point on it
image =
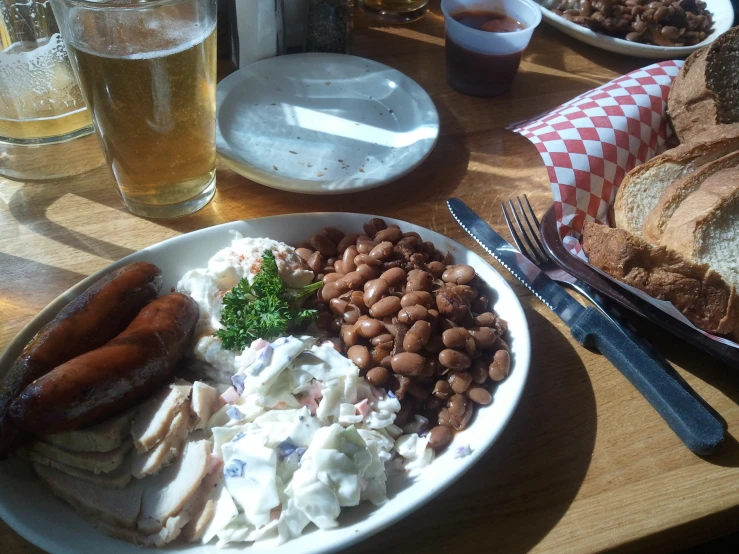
(534, 250)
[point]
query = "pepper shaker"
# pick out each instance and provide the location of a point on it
(329, 25)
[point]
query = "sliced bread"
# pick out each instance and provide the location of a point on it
(705, 227)
(641, 188)
(708, 301)
(704, 92)
(677, 192)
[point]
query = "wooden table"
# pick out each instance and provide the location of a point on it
(585, 463)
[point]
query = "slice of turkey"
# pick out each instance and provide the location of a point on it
(156, 415)
(203, 400)
(152, 461)
(97, 462)
(119, 478)
(103, 437)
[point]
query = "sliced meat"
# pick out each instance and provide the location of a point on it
(169, 532)
(203, 400)
(168, 492)
(103, 437)
(119, 478)
(150, 462)
(97, 462)
(202, 507)
(156, 415)
(116, 507)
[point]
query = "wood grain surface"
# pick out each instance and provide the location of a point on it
(585, 464)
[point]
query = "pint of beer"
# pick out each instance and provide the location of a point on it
(148, 73)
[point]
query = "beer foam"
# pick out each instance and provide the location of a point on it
(176, 36)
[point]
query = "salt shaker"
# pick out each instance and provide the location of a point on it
(329, 25)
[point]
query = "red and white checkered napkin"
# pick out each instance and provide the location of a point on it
(589, 143)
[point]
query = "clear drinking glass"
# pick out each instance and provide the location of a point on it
(147, 70)
(41, 107)
(401, 11)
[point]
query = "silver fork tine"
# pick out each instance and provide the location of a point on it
(534, 230)
(514, 234)
(532, 248)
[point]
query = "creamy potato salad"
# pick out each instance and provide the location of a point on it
(300, 434)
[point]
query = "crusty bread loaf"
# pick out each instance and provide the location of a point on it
(705, 227)
(698, 292)
(641, 188)
(704, 92)
(677, 192)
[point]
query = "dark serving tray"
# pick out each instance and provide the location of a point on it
(575, 266)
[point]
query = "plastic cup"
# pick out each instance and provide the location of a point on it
(483, 63)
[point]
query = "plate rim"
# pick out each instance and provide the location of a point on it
(523, 365)
(266, 179)
(621, 46)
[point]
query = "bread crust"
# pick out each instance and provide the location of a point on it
(698, 292)
(691, 105)
(715, 142)
(672, 197)
(697, 210)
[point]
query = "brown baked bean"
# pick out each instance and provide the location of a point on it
(411, 314)
(433, 318)
(486, 319)
(445, 418)
(304, 253)
(365, 246)
(354, 280)
(390, 305)
(349, 335)
(373, 225)
(334, 235)
(347, 260)
(352, 314)
(457, 405)
(421, 297)
(315, 262)
(337, 323)
(484, 337)
(368, 272)
(500, 344)
(384, 338)
(404, 414)
(329, 291)
(382, 251)
(379, 353)
(346, 242)
(436, 269)
(394, 276)
(368, 328)
(409, 364)
(479, 395)
(455, 337)
(359, 355)
(366, 259)
(391, 234)
(460, 423)
(460, 381)
(357, 298)
(323, 244)
(377, 376)
(440, 436)
(465, 292)
(459, 274)
(417, 336)
(479, 371)
(386, 362)
(331, 277)
(500, 366)
(442, 389)
(454, 360)
(419, 280)
(338, 306)
(451, 305)
(339, 267)
(374, 291)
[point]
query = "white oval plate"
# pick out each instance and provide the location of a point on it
(723, 19)
(323, 123)
(34, 512)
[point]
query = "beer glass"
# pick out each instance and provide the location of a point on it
(147, 70)
(45, 128)
(396, 10)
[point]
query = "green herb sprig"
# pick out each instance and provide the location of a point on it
(265, 309)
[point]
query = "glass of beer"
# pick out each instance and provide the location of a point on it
(401, 11)
(147, 69)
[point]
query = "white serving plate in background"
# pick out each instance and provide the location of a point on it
(34, 512)
(723, 19)
(323, 123)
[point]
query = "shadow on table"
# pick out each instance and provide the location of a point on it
(713, 372)
(523, 486)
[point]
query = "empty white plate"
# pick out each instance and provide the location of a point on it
(323, 123)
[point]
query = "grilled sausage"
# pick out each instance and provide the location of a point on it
(90, 320)
(99, 384)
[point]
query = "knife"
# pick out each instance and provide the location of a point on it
(696, 423)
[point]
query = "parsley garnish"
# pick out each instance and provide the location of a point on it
(265, 309)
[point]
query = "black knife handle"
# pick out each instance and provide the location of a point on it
(688, 415)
